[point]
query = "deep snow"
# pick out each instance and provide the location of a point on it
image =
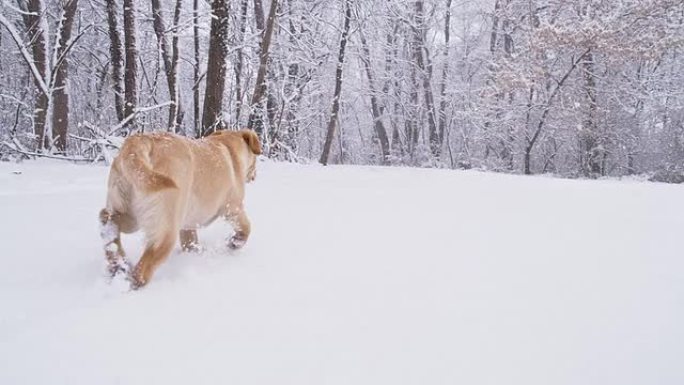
(353, 275)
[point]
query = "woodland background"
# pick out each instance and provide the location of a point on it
(576, 88)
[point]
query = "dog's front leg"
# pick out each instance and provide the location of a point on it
(189, 241)
(241, 225)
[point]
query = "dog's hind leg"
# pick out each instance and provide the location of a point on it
(110, 231)
(241, 225)
(155, 253)
(160, 222)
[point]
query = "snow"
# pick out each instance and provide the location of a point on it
(353, 275)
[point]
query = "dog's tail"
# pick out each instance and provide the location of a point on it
(135, 158)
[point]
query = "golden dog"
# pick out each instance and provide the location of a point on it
(169, 186)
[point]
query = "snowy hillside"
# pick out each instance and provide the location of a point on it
(353, 275)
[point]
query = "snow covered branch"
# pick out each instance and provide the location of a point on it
(25, 54)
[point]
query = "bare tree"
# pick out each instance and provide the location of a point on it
(255, 121)
(380, 130)
(256, 110)
(411, 121)
(532, 140)
(445, 74)
(170, 59)
(499, 139)
(178, 112)
(36, 25)
(60, 96)
(50, 76)
(117, 58)
(332, 123)
(419, 55)
(240, 59)
(259, 15)
(196, 69)
(216, 68)
(131, 50)
(589, 145)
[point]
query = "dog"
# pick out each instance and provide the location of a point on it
(168, 186)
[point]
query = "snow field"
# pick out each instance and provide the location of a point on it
(353, 275)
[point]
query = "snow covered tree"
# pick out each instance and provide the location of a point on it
(332, 123)
(131, 55)
(116, 58)
(255, 121)
(577, 88)
(170, 57)
(60, 92)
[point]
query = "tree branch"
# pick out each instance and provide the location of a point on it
(135, 113)
(25, 54)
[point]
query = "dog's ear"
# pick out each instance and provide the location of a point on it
(252, 140)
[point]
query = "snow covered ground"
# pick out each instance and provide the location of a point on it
(353, 275)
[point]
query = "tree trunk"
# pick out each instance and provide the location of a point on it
(392, 82)
(590, 149)
(508, 139)
(240, 61)
(60, 95)
(635, 131)
(117, 61)
(254, 121)
(380, 130)
(35, 29)
(493, 38)
(527, 155)
(175, 55)
(170, 59)
(445, 74)
(500, 138)
(131, 70)
(418, 54)
(160, 32)
(411, 123)
(271, 102)
(196, 70)
(216, 68)
(332, 124)
(259, 15)
(298, 77)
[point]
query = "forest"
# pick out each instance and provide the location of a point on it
(581, 88)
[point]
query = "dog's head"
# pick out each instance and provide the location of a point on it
(246, 143)
(252, 139)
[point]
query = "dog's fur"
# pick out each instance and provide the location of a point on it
(168, 186)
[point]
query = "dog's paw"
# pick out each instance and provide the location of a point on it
(117, 276)
(119, 283)
(236, 242)
(120, 266)
(137, 278)
(136, 281)
(193, 248)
